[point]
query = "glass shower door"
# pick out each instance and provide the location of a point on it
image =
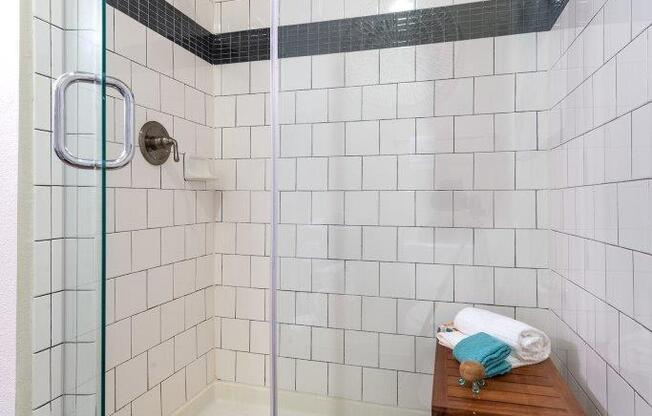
(78, 209)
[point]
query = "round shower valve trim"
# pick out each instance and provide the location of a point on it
(156, 144)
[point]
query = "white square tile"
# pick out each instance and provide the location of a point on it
(361, 208)
(454, 97)
(620, 395)
(617, 26)
(362, 278)
(474, 57)
(516, 287)
(641, 143)
(328, 276)
(328, 207)
(379, 243)
(379, 173)
(631, 70)
(294, 12)
(416, 99)
(379, 386)
(235, 16)
(344, 311)
(434, 135)
(434, 61)
(494, 94)
(604, 92)
(473, 209)
(434, 282)
(397, 280)
(132, 379)
(606, 213)
(397, 64)
(434, 208)
(328, 345)
(312, 241)
(620, 279)
(633, 220)
(312, 173)
(328, 139)
(397, 352)
(311, 309)
(345, 381)
(344, 242)
(454, 171)
(494, 171)
(362, 138)
(416, 172)
(391, 6)
(354, 8)
(312, 377)
(474, 284)
(130, 38)
(516, 53)
(642, 282)
(379, 102)
(296, 72)
(344, 104)
(514, 209)
(397, 136)
(327, 70)
(131, 295)
(415, 244)
(415, 317)
(474, 133)
(184, 66)
(295, 207)
(414, 390)
(250, 110)
(618, 149)
(362, 68)
(532, 248)
(516, 131)
(396, 208)
(342, 173)
(494, 247)
(454, 245)
(378, 315)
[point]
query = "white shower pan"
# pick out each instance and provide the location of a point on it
(222, 399)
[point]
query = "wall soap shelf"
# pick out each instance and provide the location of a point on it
(197, 168)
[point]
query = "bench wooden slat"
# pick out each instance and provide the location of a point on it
(498, 385)
(536, 390)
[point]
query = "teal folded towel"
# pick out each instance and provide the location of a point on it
(487, 350)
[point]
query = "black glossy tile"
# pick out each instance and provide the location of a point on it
(416, 27)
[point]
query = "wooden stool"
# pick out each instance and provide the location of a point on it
(536, 390)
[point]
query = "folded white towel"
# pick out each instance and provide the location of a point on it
(528, 344)
(450, 340)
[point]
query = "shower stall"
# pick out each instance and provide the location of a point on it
(267, 207)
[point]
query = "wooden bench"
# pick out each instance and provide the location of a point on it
(536, 390)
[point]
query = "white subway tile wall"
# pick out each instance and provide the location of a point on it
(161, 270)
(411, 183)
(598, 135)
(509, 173)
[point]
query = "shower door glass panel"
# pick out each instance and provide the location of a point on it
(78, 213)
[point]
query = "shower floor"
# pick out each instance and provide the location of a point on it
(221, 399)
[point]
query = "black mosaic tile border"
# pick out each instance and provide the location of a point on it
(169, 22)
(415, 27)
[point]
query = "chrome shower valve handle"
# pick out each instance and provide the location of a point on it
(156, 144)
(168, 141)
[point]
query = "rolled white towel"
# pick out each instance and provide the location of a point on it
(528, 344)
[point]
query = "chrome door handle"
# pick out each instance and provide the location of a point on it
(59, 121)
